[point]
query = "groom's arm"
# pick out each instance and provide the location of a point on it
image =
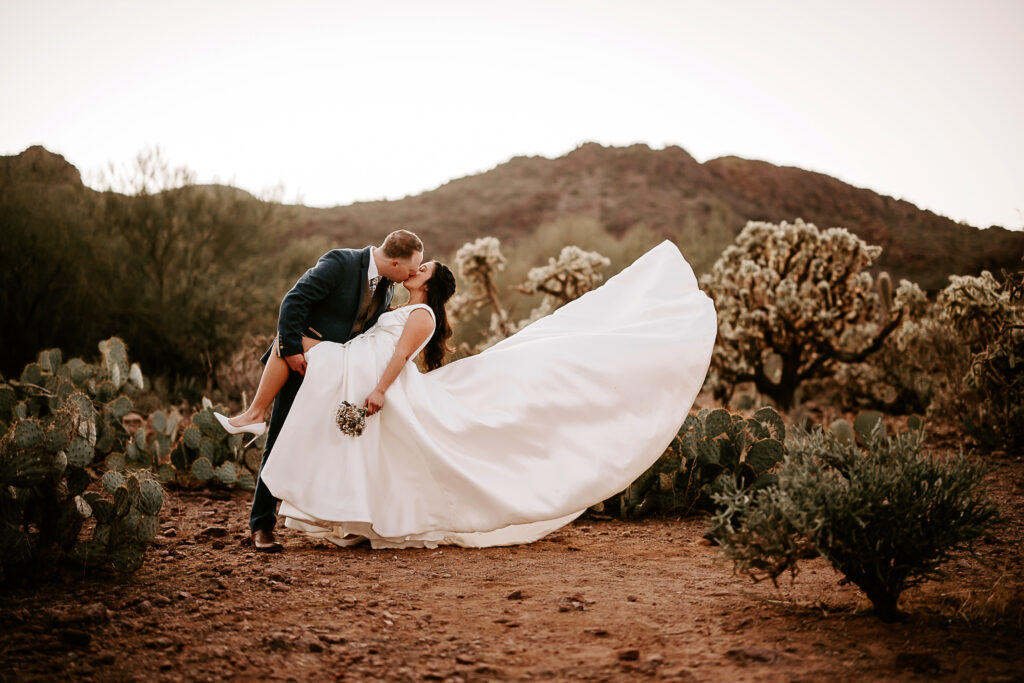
(314, 285)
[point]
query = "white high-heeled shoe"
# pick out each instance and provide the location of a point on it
(256, 428)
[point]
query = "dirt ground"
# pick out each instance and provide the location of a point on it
(598, 600)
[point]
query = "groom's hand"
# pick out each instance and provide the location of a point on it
(297, 363)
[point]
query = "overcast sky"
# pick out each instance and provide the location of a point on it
(343, 101)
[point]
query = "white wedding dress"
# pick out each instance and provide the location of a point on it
(506, 446)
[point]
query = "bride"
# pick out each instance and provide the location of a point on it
(502, 447)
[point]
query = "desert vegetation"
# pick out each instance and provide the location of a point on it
(186, 279)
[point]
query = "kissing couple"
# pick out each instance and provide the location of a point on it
(499, 448)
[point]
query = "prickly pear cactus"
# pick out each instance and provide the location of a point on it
(206, 455)
(58, 420)
(709, 445)
(126, 523)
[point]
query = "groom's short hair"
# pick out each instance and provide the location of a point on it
(401, 244)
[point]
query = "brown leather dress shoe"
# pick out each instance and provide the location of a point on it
(263, 540)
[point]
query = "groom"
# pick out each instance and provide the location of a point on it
(340, 297)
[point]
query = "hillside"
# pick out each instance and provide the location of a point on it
(699, 206)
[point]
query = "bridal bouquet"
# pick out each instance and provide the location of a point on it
(351, 419)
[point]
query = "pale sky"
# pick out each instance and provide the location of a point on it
(344, 101)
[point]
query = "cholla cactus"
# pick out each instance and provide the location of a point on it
(569, 277)
(561, 280)
(918, 369)
(478, 262)
(793, 302)
(989, 317)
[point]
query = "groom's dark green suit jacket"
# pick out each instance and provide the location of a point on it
(324, 303)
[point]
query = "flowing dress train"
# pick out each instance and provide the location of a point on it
(508, 445)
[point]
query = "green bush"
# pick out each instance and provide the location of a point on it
(885, 513)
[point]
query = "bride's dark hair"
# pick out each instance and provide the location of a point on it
(440, 288)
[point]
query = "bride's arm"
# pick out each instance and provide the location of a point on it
(418, 329)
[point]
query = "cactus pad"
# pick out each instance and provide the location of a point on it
(80, 453)
(246, 481)
(28, 433)
(202, 469)
(226, 474)
(151, 496)
(112, 481)
(148, 526)
(191, 438)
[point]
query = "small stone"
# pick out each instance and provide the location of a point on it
(276, 641)
(597, 631)
(169, 533)
(215, 532)
(95, 613)
(464, 659)
(515, 595)
(144, 607)
(218, 545)
(629, 655)
(183, 595)
(632, 598)
(162, 642)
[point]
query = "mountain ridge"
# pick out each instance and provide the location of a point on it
(700, 206)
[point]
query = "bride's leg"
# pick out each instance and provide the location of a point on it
(275, 374)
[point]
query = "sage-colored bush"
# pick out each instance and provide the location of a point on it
(883, 511)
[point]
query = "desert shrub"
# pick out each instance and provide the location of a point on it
(988, 316)
(884, 512)
(794, 302)
(51, 264)
(711, 447)
(195, 265)
(178, 270)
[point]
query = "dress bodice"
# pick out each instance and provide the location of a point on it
(392, 323)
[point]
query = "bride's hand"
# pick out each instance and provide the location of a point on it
(374, 402)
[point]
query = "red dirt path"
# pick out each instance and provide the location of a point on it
(598, 600)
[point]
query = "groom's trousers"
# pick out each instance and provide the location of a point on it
(264, 506)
